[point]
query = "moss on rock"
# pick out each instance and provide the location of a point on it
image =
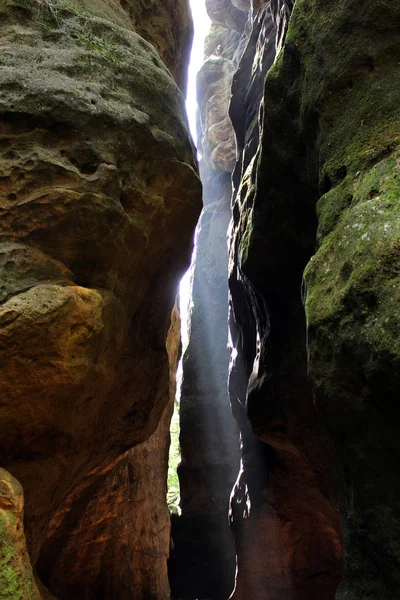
(353, 320)
(353, 281)
(330, 147)
(94, 155)
(16, 577)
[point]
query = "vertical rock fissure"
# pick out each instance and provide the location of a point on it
(272, 504)
(204, 560)
(99, 196)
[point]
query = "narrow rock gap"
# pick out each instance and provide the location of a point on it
(201, 23)
(203, 559)
(99, 199)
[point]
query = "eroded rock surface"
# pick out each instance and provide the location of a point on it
(218, 142)
(167, 25)
(95, 233)
(283, 511)
(329, 126)
(113, 532)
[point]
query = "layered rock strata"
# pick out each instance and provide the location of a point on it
(95, 234)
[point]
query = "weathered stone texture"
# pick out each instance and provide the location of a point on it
(329, 139)
(98, 199)
(218, 142)
(287, 529)
(166, 25)
(247, 89)
(112, 534)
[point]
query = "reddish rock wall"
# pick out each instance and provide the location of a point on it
(95, 234)
(112, 534)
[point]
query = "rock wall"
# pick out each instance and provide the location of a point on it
(316, 192)
(95, 234)
(313, 278)
(283, 510)
(98, 199)
(113, 533)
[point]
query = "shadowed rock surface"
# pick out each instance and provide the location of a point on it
(98, 199)
(320, 401)
(282, 506)
(95, 234)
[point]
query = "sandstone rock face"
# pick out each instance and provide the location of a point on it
(113, 533)
(165, 25)
(247, 88)
(218, 142)
(322, 400)
(353, 324)
(225, 13)
(95, 233)
(168, 27)
(223, 47)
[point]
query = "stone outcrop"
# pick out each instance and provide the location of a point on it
(95, 233)
(113, 533)
(283, 510)
(318, 387)
(168, 27)
(353, 323)
(218, 142)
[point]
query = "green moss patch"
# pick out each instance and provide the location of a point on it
(9, 581)
(330, 146)
(173, 489)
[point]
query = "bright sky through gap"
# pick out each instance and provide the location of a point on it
(201, 27)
